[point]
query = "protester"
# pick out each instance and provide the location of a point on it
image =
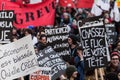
(118, 74)
(71, 72)
(72, 41)
(114, 65)
(30, 32)
(42, 42)
(79, 62)
(117, 46)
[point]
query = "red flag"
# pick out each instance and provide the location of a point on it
(84, 3)
(40, 14)
(65, 3)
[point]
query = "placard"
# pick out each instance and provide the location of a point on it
(58, 39)
(17, 59)
(6, 25)
(41, 74)
(111, 33)
(93, 40)
(49, 58)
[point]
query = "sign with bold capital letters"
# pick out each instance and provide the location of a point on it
(40, 14)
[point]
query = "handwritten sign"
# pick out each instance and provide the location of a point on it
(93, 40)
(17, 59)
(111, 33)
(6, 24)
(49, 58)
(57, 38)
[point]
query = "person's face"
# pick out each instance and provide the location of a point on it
(26, 33)
(43, 40)
(119, 76)
(74, 75)
(69, 41)
(14, 31)
(118, 46)
(115, 61)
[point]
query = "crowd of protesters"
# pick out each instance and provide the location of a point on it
(67, 16)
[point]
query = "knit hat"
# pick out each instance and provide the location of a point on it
(70, 70)
(115, 53)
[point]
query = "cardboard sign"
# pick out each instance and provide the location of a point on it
(6, 25)
(49, 58)
(17, 59)
(58, 39)
(93, 40)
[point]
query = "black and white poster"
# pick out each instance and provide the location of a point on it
(49, 58)
(57, 38)
(111, 33)
(6, 25)
(93, 40)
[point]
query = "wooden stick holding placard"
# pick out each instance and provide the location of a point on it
(96, 74)
(99, 71)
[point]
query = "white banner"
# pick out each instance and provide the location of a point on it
(17, 59)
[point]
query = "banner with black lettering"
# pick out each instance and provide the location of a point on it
(57, 38)
(93, 40)
(6, 25)
(17, 59)
(111, 33)
(40, 14)
(49, 58)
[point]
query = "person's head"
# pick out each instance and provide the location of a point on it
(71, 72)
(72, 39)
(118, 75)
(118, 45)
(43, 38)
(14, 31)
(115, 59)
(28, 31)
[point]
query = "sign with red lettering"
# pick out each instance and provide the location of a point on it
(41, 75)
(40, 14)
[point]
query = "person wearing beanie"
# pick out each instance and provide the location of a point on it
(71, 72)
(114, 65)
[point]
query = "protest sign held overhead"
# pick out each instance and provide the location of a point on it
(57, 38)
(6, 25)
(40, 14)
(49, 58)
(17, 59)
(93, 40)
(111, 33)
